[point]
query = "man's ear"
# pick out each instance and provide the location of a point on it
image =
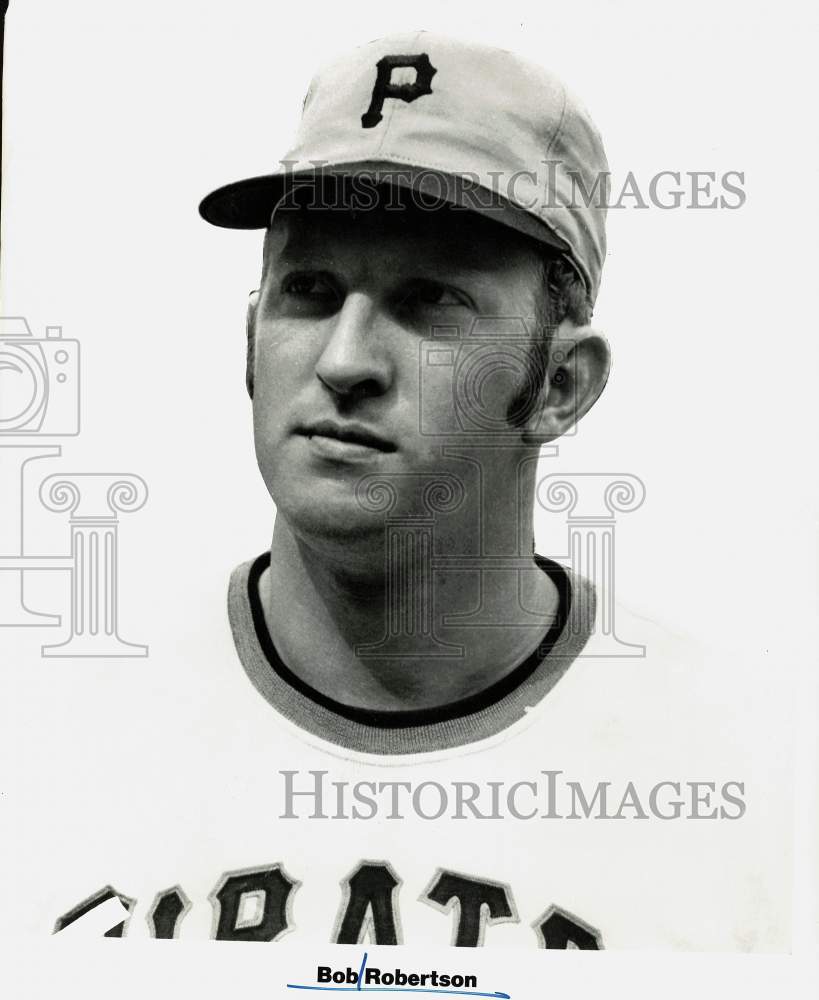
(578, 367)
(250, 327)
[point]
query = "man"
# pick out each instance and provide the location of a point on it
(404, 767)
(357, 278)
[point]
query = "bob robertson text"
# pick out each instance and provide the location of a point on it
(549, 795)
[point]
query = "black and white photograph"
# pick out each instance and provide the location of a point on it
(409, 507)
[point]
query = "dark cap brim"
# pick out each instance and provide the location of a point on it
(250, 203)
(246, 204)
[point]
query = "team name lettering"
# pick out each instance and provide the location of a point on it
(254, 905)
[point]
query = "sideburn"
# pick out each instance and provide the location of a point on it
(527, 398)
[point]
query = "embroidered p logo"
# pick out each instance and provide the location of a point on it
(384, 87)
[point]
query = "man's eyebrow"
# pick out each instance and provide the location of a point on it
(295, 256)
(464, 259)
(436, 267)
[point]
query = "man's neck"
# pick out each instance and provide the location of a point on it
(389, 638)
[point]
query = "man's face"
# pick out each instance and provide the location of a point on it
(341, 386)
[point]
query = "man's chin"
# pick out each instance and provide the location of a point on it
(337, 516)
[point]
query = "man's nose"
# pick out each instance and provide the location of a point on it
(355, 360)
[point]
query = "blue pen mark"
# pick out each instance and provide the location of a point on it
(497, 995)
(400, 989)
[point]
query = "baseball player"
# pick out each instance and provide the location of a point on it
(410, 334)
(400, 765)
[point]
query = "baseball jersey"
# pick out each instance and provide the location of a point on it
(585, 801)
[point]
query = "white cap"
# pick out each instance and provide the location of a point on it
(469, 124)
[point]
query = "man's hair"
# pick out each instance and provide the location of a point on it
(565, 293)
(562, 296)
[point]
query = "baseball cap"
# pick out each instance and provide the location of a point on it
(474, 126)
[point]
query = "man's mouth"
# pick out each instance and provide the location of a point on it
(351, 434)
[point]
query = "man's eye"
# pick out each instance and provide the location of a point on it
(309, 286)
(432, 293)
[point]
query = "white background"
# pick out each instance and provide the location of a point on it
(119, 117)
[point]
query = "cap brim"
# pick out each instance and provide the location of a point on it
(250, 203)
(246, 204)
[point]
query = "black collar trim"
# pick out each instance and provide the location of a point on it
(415, 717)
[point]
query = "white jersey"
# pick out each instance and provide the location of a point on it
(589, 801)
